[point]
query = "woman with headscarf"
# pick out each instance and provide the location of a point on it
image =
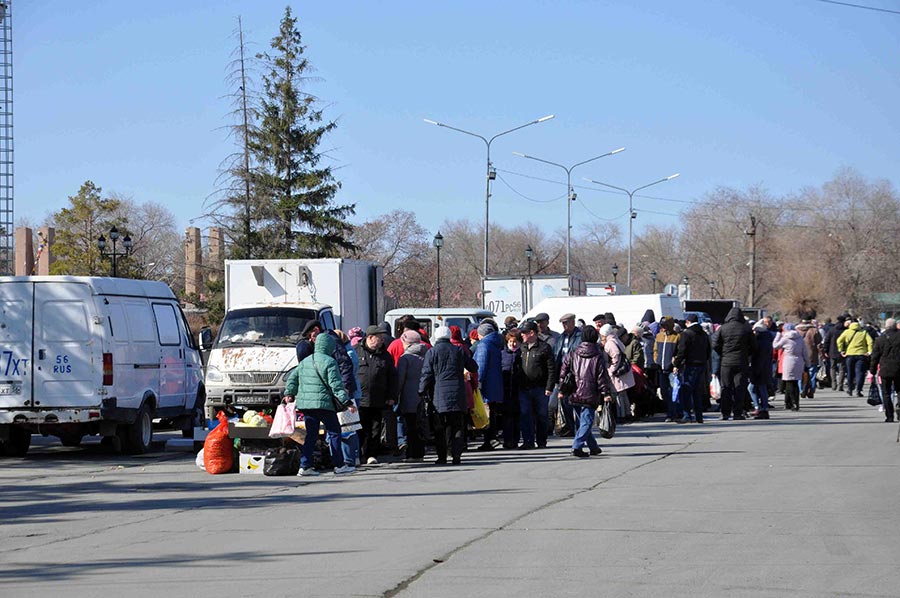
(795, 360)
(619, 370)
(592, 385)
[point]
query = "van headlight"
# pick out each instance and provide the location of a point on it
(214, 375)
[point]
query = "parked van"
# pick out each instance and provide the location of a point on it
(628, 309)
(432, 318)
(83, 356)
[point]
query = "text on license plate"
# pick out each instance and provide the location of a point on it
(10, 389)
(252, 400)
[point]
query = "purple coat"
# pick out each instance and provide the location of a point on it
(592, 381)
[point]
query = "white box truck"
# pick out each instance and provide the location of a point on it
(513, 296)
(267, 305)
(85, 356)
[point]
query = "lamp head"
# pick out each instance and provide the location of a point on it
(438, 240)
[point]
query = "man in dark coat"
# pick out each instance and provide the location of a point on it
(691, 359)
(444, 385)
(537, 378)
(378, 383)
(886, 353)
(838, 373)
(735, 342)
(761, 366)
(565, 342)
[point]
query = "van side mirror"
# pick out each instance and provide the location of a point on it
(205, 338)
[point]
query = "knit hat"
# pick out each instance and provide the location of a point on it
(411, 337)
(606, 330)
(355, 335)
(485, 329)
(441, 332)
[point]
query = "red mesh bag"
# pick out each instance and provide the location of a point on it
(217, 453)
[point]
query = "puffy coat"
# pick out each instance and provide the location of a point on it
(317, 379)
(377, 376)
(442, 376)
(795, 358)
(409, 373)
(592, 381)
(511, 363)
(664, 349)
(734, 340)
(537, 368)
(693, 348)
(886, 353)
(616, 352)
(490, 369)
(812, 339)
(854, 341)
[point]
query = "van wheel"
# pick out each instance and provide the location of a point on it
(71, 439)
(137, 437)
(195, 418)
(18, 443)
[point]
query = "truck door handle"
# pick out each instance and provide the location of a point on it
(42, 353)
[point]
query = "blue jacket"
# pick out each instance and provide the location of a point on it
(489, 357)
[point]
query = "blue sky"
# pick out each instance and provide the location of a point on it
(730, 93)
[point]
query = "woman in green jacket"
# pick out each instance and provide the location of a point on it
(314, 385)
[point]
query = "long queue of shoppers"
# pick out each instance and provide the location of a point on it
(401, 392)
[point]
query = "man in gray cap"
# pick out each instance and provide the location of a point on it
(536, 379)
(565, 342)
(378, 383)
(544, 332)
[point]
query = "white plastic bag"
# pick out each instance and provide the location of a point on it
(283, 422)
(199, 460)
(715, 388)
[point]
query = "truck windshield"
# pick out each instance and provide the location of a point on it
(268, 326)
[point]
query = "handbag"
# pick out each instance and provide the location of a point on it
(335, 403)
(283, 422)
(607, 423)
(568, 384)
(349, 421)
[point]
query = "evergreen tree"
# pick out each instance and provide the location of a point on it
(297, 214)
(77, 230)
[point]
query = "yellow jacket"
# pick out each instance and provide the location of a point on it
(854, 341)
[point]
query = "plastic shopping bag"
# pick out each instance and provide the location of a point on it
(281, 461)
(715, 388)
(607, 423)
(675, 383)
(480, 417)
(283, 424)
(217, 448)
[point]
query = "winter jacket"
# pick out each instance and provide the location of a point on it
(664, 349)
(812, 339)
(377, 377)
(490, 370)
(648, 343)
(550, 338)
(354, 359)
(734, 340)
(761, 359)
(592, 381)
(537, 368)
(693, 348)
(795, 358)
(830, 341)
(409, 373)
(305, 347)
(854, 341)
(616, 353)
(317, 379)
(635, 352)
(442, 377)
(510, 362)
(886, 353)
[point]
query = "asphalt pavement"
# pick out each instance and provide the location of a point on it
(804, 504)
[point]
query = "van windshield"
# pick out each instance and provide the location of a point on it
(263, 326)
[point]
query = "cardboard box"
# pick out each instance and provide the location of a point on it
(251, 464)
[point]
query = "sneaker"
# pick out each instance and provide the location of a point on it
(344, 469)
(580, 453)
(308, 472)
(371, 461)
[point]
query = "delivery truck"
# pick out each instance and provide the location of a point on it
(628, 309)
(515, 295)
(267, 305)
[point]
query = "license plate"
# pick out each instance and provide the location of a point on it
(252, 400)
(10, 389)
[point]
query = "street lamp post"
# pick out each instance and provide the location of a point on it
(529, 254)
(114, 255)
(653, 279)
(570, 194)
(438, 243)
(615, 271)
(631, 213)
(491, 173)
(712, 288)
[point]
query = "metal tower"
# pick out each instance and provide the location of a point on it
(6, 139)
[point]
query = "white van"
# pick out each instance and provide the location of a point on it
(628, 309)
(82, 355)
(432, 318)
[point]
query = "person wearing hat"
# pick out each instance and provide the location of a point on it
(663, 353)
(409, 372)
(619, 369)
(305, 347)
(560, 407)
(510, 323)
(536, 371)
(378, 382)
(544, 332)
(443, 385)
(599, 320)
(690, 362)
(488, 356)
(592, 387)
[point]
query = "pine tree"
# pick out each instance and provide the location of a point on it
(77, 230)
(300, 218)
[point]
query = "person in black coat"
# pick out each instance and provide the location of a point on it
(886, 353)
(735, 342)
(690, 362)
(378, 384)
(444, 386)
(761, 366)
(835, 359)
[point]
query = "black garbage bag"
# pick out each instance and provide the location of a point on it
(607, 423)
(281, 461)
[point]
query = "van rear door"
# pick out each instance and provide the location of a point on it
(68, 351)
(16, 317)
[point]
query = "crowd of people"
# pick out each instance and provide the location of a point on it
(385, 398)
